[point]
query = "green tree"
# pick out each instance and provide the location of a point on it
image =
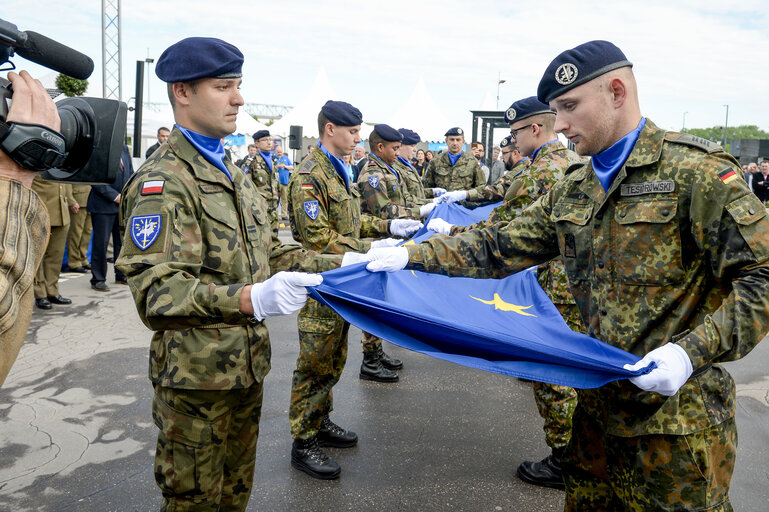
(71, 86)
(716, 133)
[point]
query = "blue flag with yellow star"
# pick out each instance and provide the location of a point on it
(506, 326)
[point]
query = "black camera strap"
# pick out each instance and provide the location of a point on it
(32, 146)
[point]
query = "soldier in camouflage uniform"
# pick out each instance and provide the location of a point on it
(409, 177)
(196, 235)
(454, 169)
(531, 123)
(667, 254)
(384, 192)
(264, 174)
(324, 209)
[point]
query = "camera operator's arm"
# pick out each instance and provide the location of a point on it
(24, 233)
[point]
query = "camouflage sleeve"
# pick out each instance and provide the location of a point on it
(429, 192)
(494, 252)
(373, 227)
(731, 227)
(490, 193)
(428, 180)
(165, 276)
(295, 258)
(316, 233)
(375, 201)
(479, 179)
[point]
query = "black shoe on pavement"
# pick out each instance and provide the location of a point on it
(331, 434)
(307, 456)
(43, 303)
(371, 369)
(389, 362)
(100, 286)
(59, 300)
(79, 270)
(121, 281)
(545, 473)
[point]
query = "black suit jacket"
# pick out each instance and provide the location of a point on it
(102, 197)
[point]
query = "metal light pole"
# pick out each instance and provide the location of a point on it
(499, 82)
(726, 126)
(683, 125)
(148, 61)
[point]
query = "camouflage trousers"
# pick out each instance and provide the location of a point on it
(652, 472)
(322, 355)
(370, 343)
(206, 447)
(556, 404)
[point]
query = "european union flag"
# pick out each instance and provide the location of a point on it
(452, 213)
(506, 326)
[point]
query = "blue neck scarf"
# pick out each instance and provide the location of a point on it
(453, 158)
(608, 162)
(342, 169)
(534, 155)
(211, 148)
(267, 157)
(406, 162)
(372, 155)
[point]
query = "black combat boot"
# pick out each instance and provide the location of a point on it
(307, 456)
(546, 473)
(371, 369)
(331, 434)
(388, 362)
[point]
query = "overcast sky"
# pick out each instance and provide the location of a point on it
(689, 56)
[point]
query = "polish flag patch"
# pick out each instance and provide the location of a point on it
(153, 187)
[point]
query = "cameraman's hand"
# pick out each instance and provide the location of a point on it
(30, 104)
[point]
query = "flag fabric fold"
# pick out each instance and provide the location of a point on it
(452, 213)
(506, 326)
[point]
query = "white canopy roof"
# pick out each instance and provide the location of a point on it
(420, 113)
(305, 113)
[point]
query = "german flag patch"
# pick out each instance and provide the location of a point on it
(727, 175)
(307, 186)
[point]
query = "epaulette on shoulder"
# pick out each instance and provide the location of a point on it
(694, 141)
(307, 165)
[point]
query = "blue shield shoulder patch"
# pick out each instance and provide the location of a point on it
(311, 209)
(145, 230)
(373, 180)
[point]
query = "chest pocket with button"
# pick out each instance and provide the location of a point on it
(219, 230)
(646, 242)
(340, 210)
(574, 237)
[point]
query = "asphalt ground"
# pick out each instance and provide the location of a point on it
(76, 431)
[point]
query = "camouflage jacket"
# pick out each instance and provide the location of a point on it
(191, 240)
(266, 182)
(496, 192)
(325, 216)
(677, 251)
(463, 175)
(412, 183)
(384, 193)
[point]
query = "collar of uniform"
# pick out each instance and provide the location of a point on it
(445, 158)
(648, 147)
(547, 148)
(325, 164)
(201, 168)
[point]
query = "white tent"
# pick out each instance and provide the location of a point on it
(421, 114)
(305, 113)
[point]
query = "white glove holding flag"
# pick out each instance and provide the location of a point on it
(438, 191)
(454, 196)
(440, 226)
(387, 259)
(404, 227)
(673, 370)
(351, 258)
(426, 209)
(387, 242)
(282, 294)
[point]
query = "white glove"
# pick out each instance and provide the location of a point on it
(454, 196)
(673, 370)
(440, 226)
(388, 259)
(387, 242)
(425, 209)
(404, 227)
(438, 191)
(351, 258)
(282, 294)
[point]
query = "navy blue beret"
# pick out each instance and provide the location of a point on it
(507, 141)
(341, 113)
(388, 133)
(261, 133)
(199, 57)
(454, 131)
(524, 108)
(579, 65)
(410, 137)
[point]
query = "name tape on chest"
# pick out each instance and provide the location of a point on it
(649, 187)
(152, 187)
